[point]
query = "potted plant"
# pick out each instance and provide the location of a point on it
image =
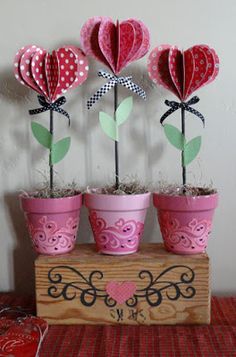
(184, 212)
(116, 213)
(52, 213)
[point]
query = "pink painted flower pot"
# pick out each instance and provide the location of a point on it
(52, 222)
(117, 221)
(185, 221)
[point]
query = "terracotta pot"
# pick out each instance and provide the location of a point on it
(185, 221)
(117, 221)
(52, 222)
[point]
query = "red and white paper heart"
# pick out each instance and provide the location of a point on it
(183, 72)
(115, 45)
(51, 75)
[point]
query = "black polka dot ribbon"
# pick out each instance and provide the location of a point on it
(185, 105)
(113, 80)
(55, 106)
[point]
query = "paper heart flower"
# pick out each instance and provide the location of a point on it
(183, 72)
(115, 45)
(51, 75)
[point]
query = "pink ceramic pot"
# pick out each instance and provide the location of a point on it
(117, 221)
(185, 221)
(52, 222)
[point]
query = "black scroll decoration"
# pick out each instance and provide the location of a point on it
(153, 293)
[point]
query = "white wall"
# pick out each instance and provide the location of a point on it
(53, 23)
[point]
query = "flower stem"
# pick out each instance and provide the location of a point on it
(182, 153)
(116, 142)
(50, 164)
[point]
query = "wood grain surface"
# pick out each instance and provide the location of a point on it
(170, 289)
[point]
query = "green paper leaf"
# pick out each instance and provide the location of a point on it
(123, 111)
(59, 150)
(108, 125)
(41, 134)
(191, 150)
(175, 137)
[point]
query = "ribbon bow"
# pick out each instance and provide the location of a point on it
(186, 105)
(113, 80)
(55, 106)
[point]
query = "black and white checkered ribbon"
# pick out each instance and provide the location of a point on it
(113, 80)
(186, 105)
(55, 106)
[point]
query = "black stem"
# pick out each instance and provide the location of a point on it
(50, 164)
(182, 153)
(116, 142)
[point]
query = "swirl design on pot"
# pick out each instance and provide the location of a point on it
(48, 236)
(124, 234)
(191, 236)
(156, 289)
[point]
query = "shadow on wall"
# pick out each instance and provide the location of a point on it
(23, 255)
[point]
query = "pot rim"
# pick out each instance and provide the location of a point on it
(106, 202)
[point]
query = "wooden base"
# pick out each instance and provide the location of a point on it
(152, 286)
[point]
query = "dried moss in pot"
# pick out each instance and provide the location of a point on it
(57, 192)
(187, 190)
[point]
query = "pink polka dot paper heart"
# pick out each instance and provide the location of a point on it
(51, 75)
(183, 72)
(115, 45)
(120, 292)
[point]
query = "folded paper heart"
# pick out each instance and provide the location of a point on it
(115, 45)
(121, 292)
(51, 75)
(183, 72)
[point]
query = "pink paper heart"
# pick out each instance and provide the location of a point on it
(183, 72)
(51, 75)
(120, 292)
(115, 45)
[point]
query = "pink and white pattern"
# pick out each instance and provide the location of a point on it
(183, 72)
(49, 238)
(187, 239)
(51, 75)
(122, 238)
(115, 45)
(121, 291)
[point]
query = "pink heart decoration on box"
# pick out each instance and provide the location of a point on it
(51, 75)
(183, 72)
(115, 45)
(120, 292)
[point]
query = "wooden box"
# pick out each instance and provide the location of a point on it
(152, 286)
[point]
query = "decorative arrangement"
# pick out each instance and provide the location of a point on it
(116, 219)
(185, 213)
(52, 221)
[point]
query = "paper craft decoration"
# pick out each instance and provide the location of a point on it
(116, 46)
(182, 73)
(110, 125)
(21, 334)
(51, 75)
